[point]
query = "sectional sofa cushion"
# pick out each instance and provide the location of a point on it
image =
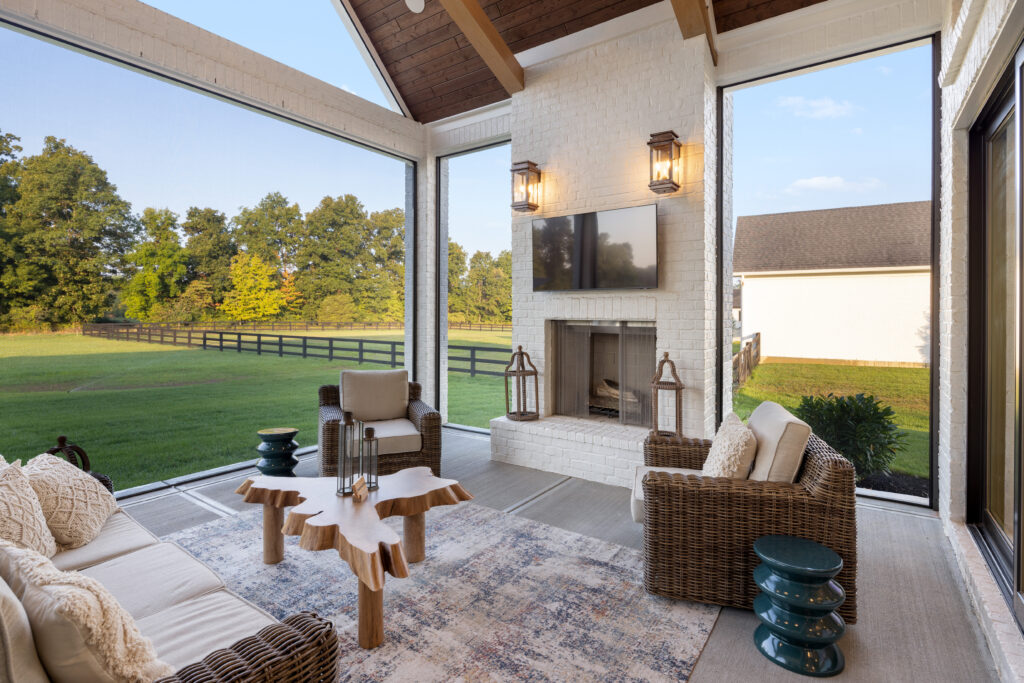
(81, 633)
(732, 451)
(372, 395)
(18, 660)
(131, 578)
(120, 534)
(781, 441)
(76, 506)
(21, 514)
(187, 632)
(396, 436)
(636, 502)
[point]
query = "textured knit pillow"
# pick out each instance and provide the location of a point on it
(75, 505)
(732, 451)
(82, 633)
(21, 515)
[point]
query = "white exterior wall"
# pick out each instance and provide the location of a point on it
(880, 317)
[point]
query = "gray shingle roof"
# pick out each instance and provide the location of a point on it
(883, 235)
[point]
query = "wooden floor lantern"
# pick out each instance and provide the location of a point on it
(673, 388)
(523, 376)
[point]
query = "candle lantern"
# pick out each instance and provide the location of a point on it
(368, 459)
(672, 388)
(348, 454)
(525, 186)
(523, 373)
(666, 167)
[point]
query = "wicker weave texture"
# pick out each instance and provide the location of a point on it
(302, 648)
(699, 532)
(426, 420)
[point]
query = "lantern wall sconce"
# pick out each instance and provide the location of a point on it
(674, 388)
(525, 186)
(666, 162)
(524, 374)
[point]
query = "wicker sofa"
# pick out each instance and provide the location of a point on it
(424, 419)
(699, 532)
(206, 632)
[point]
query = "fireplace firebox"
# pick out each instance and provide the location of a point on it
(604, 368)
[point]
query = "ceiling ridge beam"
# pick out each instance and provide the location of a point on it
(693, 19)
(488, 43)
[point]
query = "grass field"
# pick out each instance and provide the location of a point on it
(146, 412)
(905, 389)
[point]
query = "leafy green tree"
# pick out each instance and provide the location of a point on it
(9, 166)
(210, 249)
(294, 302)
(337, 308)
(193, 305)
(271, 230)
(488, 287)
(254, 294)
(160, 263)
(66, 234)
(457, 269)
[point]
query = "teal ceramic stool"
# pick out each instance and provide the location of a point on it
(276, 452)
(799, 626)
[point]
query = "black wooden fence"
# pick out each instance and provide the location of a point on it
(481, 360)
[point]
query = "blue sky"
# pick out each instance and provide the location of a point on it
(849, 135)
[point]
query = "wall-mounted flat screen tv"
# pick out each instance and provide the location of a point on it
(616, 249)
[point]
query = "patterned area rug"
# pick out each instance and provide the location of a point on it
(499, 598)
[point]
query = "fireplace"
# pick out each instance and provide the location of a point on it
(603, 369)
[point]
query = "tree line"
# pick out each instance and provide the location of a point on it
(72, 250)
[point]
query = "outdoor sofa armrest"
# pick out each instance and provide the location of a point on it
(302, 648)
(690, 454)
(330, 395)
(423, 417)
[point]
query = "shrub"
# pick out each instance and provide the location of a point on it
(859, 427)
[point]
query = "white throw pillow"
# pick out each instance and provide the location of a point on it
(82, 634)
(732, 451)
(372, 395)
(781, 440)
(75, 505)
(21, 515)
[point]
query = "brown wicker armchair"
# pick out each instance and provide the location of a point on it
(426, 420)
(699, 532)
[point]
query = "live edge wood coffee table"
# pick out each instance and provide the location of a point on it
(323, 520)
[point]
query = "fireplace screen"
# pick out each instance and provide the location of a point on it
(604, 369)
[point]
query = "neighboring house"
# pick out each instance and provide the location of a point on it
(850, 284)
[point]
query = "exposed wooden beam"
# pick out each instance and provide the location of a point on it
(485, 39)
(693, 19)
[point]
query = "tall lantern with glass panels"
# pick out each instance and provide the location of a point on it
(666, 164)
(525, 186)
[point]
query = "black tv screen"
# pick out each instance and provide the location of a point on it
(616, 249)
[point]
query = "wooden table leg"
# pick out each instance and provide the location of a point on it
(371, 617)
(273, 537)
(414, 537)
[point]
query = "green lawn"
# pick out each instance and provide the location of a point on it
(905, 389)
(146, 412)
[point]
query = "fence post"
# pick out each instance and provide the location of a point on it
(204, 340)
(359, 346)
(304, 344)
(330, 349)
(221, 335)
(472, 361)
(259, 344)
(394, 354)
(280, 344)
(238, 341)
(189, 342)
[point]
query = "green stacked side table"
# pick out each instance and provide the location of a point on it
(799, 626)
(276, 450)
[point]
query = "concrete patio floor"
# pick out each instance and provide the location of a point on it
(915, 624)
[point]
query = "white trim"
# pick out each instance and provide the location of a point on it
(833, 271)
(362, 42)
(603, 32)
(466, 118)
(964, 26)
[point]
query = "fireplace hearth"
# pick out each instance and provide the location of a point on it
(604, 369)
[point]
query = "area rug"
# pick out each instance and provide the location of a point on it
(499, 598)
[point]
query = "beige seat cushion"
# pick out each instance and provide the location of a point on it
(396, 436)
(372, 395)
(732, 451)
(22, 520)
(82, 634)
(636, 501)
(781, 440)
(120, 534)
(18, 660)
(75, 505)
(187, 632)
(152, 579)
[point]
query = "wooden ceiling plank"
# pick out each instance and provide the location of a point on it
(473, 22)
(692, 17)
(759, 12)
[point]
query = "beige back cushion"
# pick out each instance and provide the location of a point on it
(781, 440)
(22, 519)
(76, 506)
(732, 451)
(372, 395)
(80, 631)
(20, 663)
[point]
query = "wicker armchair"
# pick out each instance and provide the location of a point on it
(699, 532)
(426, 420)
(302, 648)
